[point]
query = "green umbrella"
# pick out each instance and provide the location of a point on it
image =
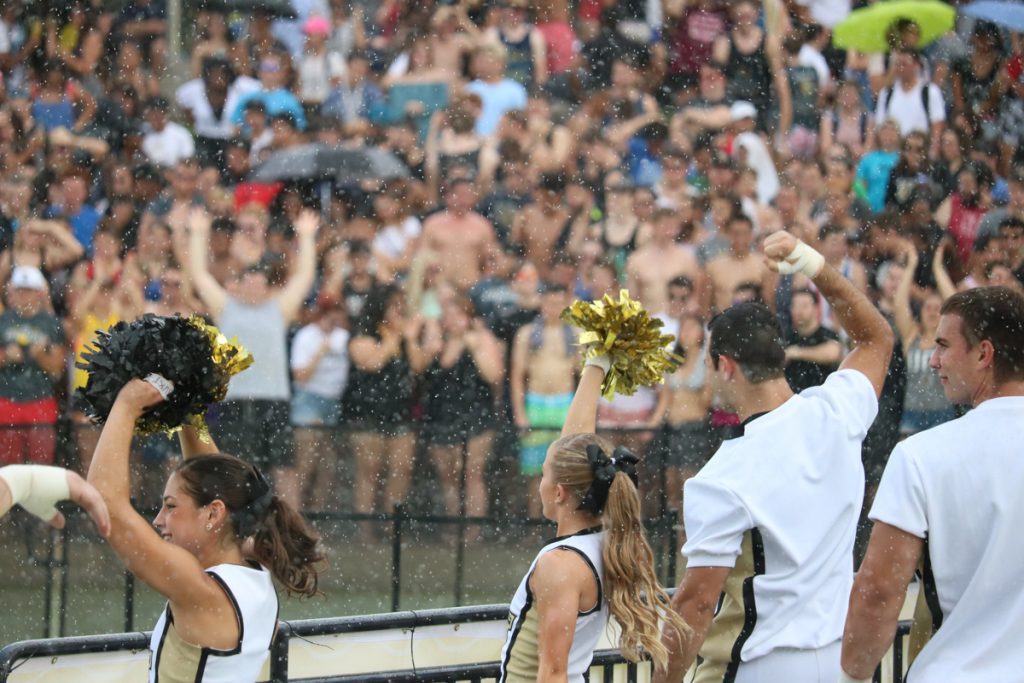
(866, 29)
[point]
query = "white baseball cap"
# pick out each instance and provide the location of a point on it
(28, 277)
(742, 110)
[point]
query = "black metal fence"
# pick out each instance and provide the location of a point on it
(56, 557)
(12, 656)
(54, 554)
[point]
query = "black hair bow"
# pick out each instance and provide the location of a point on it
(605, 469)
(249, 518)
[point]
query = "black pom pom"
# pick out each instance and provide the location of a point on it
(171, 346)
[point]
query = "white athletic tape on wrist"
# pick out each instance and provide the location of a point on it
(847, 678)
(161, 384)
(37, 488)
(602, 361)
(803, 259)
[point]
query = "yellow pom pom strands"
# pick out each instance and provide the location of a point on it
(630, 337)
(229, 359)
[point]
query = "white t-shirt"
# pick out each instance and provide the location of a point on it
(331, 374)
(959, 486)
(169, 146)
(191, 96)
(907, 109)
(392, 239)
(808, 56)
(317, 73)
(779, 505)
(760, 159)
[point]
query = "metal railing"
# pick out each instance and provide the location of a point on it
(53, 553)
(12, 656)
(58, 557)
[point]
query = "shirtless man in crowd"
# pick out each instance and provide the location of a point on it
(651, 268)
(463, 237)
(737, 265)
(544, 227)
(542, 382)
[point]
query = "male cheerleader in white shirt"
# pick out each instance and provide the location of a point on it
(951, 500)
(38, 489)
(771, 519)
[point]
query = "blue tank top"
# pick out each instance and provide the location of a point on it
(51, 115)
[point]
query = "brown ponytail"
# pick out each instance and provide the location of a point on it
(636, 600)
(287, 546)
(282, 541)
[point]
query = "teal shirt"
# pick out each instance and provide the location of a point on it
(874, 170)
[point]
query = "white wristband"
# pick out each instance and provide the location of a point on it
(602, 361)
(37, 488)
(847, 678)
(161, 384)
(803, 259)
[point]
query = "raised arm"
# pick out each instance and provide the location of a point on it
(870, 333)
(582, 416)
(192, 445)
(901, 300)
(432, 153)
(943, 282)
(206, 286)
(781, 82)
(295, 291)
(168, 569)
(62, 249)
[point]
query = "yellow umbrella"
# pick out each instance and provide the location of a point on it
(867, 29)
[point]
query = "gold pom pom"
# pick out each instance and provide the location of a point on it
(630, 337)
(229, 359)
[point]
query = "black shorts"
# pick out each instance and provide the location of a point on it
(456, 433)
(688, 445)
(388, 428)
(258, 431)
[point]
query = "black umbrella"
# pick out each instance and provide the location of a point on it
(278, 9)
(318, 161)
(369, 163)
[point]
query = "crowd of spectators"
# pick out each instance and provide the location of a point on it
(555, 150)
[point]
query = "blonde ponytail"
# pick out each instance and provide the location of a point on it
(636, 600)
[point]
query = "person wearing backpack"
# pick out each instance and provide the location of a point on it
(911, 101)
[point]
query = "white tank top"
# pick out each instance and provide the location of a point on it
(252, 594)
(519, 657)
